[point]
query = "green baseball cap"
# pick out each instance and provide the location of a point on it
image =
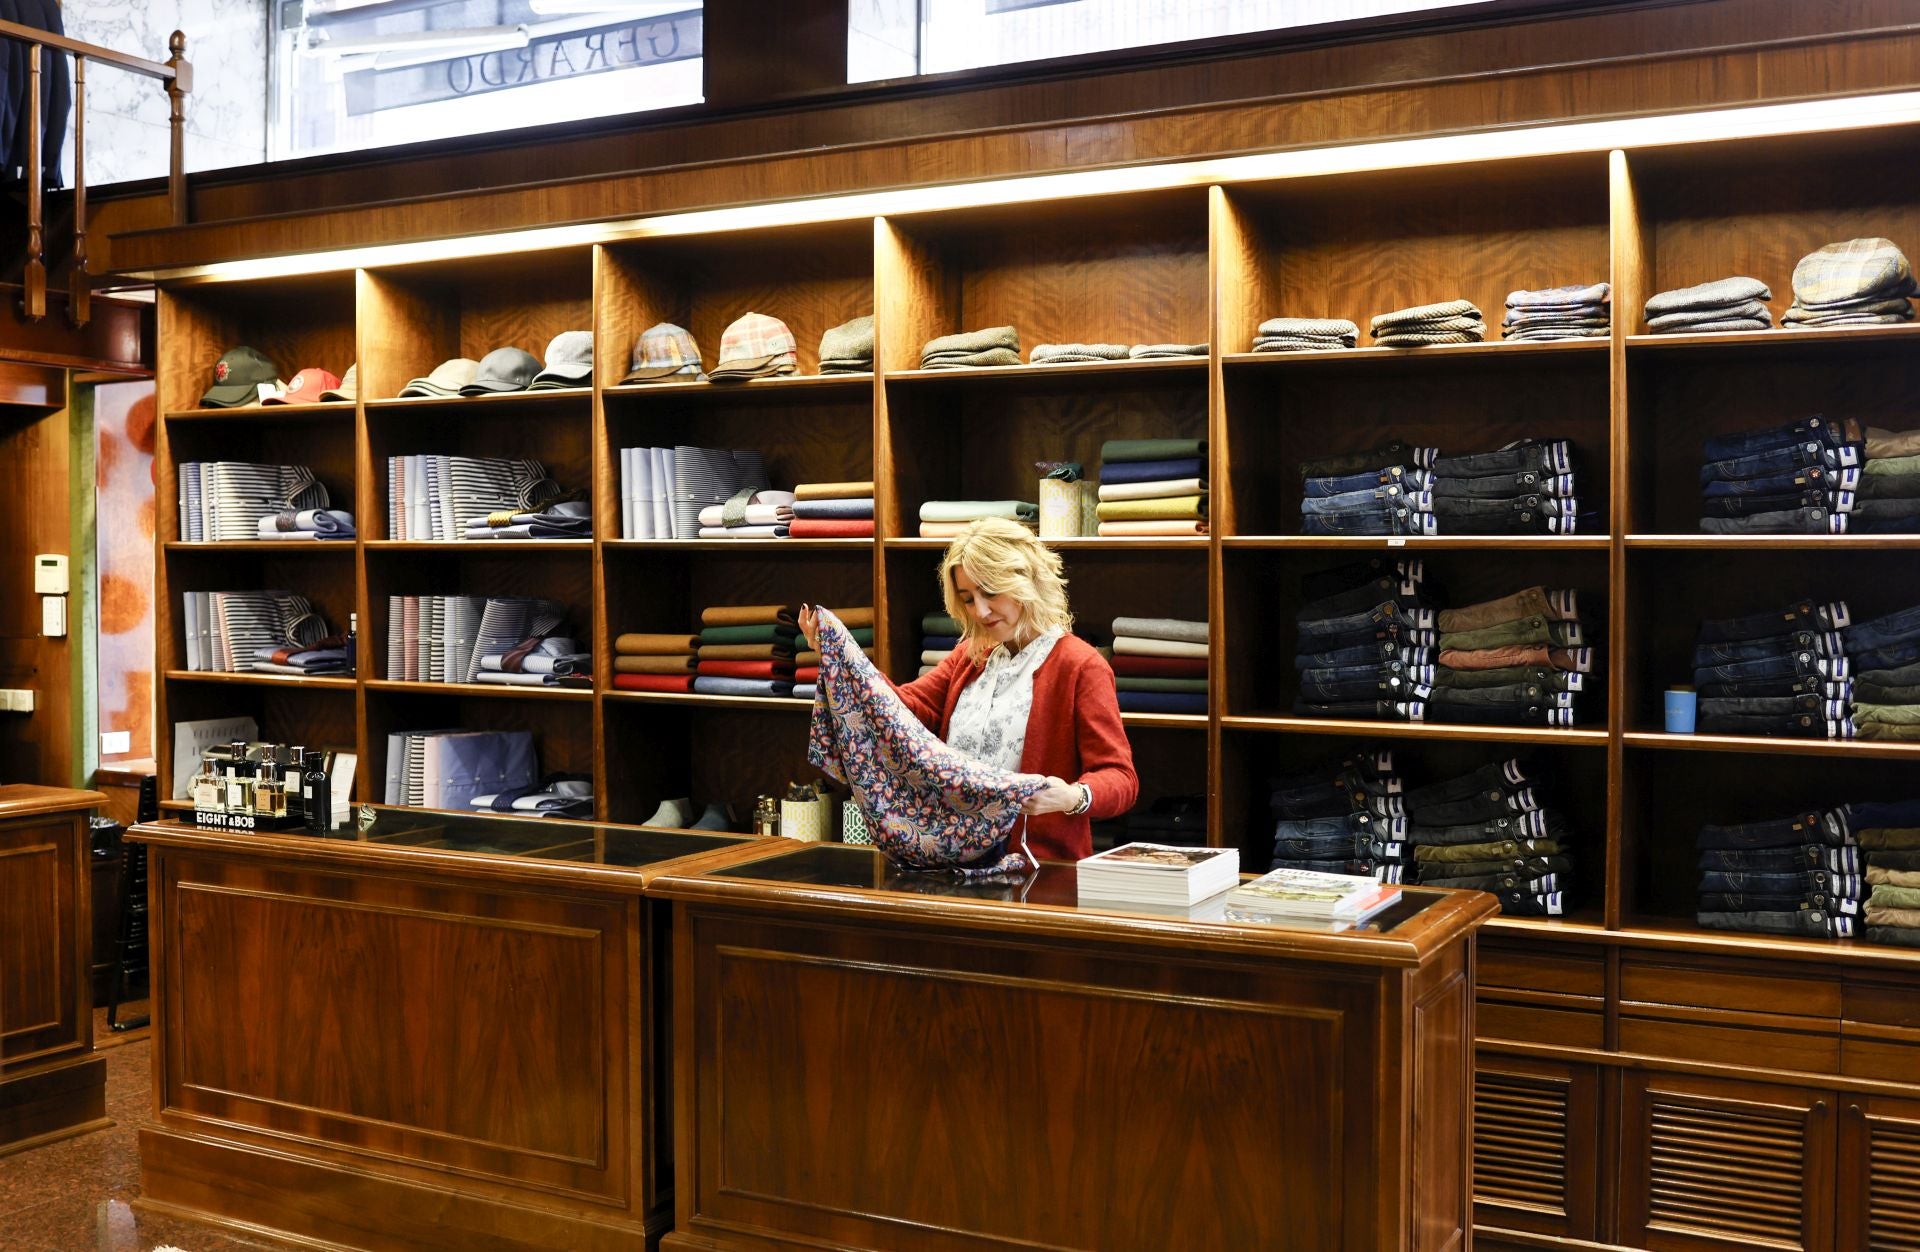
(237, 377)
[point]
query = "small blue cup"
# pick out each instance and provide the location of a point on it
(1680, 710)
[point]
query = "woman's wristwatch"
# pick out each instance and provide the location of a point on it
(1086, 800)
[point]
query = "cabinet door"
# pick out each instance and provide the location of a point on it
(40, 948)
(1709, 1164)
(1536, 1138)
(1878, 1189)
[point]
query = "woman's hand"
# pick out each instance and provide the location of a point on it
(1057, 796)
(810, 626)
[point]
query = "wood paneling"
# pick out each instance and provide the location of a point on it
(36, 455)
(1536, 1141)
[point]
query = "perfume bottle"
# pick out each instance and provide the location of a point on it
(316, 794)
(293, 784)
(239, 786)
(208, 788)
(766, 816)
(269, 798)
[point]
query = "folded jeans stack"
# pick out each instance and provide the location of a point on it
(1857, 282)
(1886, 499)
(1793, 875)
(1426, 325)
(752, 513)
(832, 511)
(943, 519)
(1524, 659)
(1884, 657)
(746, 650)
(1153, 487)
(1577, 311)
(1490, 830)
(848, 347)
(1366, 642)
(1725, 304)
(1527, 487)
(1889, 837)
(1305, 334)
(1077, 353)
(1382, 491)
(1345, 817)
(1160, 664)
(1783, 673)
(1800, 478)
(806, 664)
(654, 662)
(939, 635)
(972, 349)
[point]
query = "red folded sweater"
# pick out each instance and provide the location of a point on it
(830, 528)
(1160, 666)
(747, 669)
(807, 674)
(653, 682)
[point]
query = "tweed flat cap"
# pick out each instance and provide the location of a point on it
(1719, 293)
(1851, 270)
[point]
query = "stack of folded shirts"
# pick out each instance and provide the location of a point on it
(1527, 487)
(1725, 304)
(228, 630)
(697, 477)
(1305, 334)
(1343, 817)
(806, 672)
(1164, 351)
(1365, 642)
(1382, 491)
(763, 514)
(1861, 282)
(559, 519)
(1571, 312)
(1800, 478)
(1888, 834)
(1179, 820)
(1084, 353)
(1781, 673)
(435, 497)
(1160, 664)
(307, 524)
(746, 650)
(446, 769)
(654, 662)
(539, 661)
(940, 635)
(848, 347)
(1792, 875)
(558, 795)
(1153, 487)
(1423, 325)
(222, 501)
(972, 349)
(1886, 499)
(325, 656)
(943, 519)
(832, 511)
(1884, 658)
(1521, 660)
(1488, 830)
(441, 638)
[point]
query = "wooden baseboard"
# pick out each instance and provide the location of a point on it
(322, 1205)
(54, 1103)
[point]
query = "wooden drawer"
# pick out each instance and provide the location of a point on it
(1526, 1023)
(1745, 987)
(1743, 1046)
(1883, 1005)
(1890, 1060)
(1541, 971)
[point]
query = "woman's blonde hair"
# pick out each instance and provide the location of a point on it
(1005, 558)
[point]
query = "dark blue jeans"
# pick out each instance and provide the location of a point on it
(1750, 506)
(1817, 923)
(1502, 486)
(1888, 629)
(1399, 452)
(1784, 883)
(1362, 596)
(1389, 518)
(1409, 570)
(1802, 664)
(1387, 613)
(1367, 480)
(1806, 615)
(1392, 681)
(1826, 688)
(1377, 652)
(1784, 860)
(1510, 880)
(1782, 832)
(1806, 478)
(1797, 456)
(1532, 824)
(1820, 643)
(1549, 456)
(1876, 815)
(1891, 656)
(1750, 902)
(1520, 515)
(1746, 442)
(1815, 519)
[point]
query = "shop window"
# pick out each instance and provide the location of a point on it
(123, 424)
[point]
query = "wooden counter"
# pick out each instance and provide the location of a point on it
(858, 1064)
(51, 1083)
(441, 1034)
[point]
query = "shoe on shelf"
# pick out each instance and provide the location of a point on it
(717, 817)
(675, 813)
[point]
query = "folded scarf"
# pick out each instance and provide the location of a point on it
(653, 664)
(1143, 528)
(1162, 702)
(654, 645)
(832, 491)
(746, 652)
(1159, 666)
(746, 669)
(1153, 509)
(763, 632)
(747, 614)
(1127, 645)
(827, 528)
(652, 682)
(1176, 685)
(837, 509)
(1151, 449)
(1153, 471)
(1161, 628)
(1152, 490)
(774, 688)
(974, 510)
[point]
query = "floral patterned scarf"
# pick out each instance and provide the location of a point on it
(927, 806)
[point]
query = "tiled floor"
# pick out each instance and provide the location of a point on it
(72, 1196)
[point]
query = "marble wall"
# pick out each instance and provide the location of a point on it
(127, 114)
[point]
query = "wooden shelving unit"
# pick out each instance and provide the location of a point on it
(1200, 264)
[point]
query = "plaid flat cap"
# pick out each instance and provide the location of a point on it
(1561, 297)
(1851, 270)
(1425, 313)
(663, 351)
(753, 346)
(1720, 293)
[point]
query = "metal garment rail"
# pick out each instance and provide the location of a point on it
(176, 77)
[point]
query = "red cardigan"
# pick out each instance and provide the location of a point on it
(1073, 732)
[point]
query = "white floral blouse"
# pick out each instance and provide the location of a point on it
(990, 718)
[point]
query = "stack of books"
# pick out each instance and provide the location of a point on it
(1157, 873)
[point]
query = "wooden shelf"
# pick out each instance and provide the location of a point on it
(479, 545)
(492, 690)
(558, 398)
(328, 410)
(1487, 353)
(1770, 341)
(1168, 543)
(689, 699)
(736, 545)
(320, 682)
(819, 385)
(1427, 543)
(1579, 737)
(1856, 748)
(1165, 721)
(263, 545)
(1157, 370)
(1773, 543)
(1683, 934)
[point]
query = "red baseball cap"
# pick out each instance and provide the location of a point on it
(305, 387)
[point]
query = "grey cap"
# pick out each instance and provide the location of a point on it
(503, 370)
(849, 341)
(569, 361)
(447, 379)
(349, 388)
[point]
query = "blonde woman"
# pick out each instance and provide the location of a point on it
(1022, 692)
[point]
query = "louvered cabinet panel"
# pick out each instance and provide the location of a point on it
(1879, 1180)
(1709, 1164)
(1535, 1145)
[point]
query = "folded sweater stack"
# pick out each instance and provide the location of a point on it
(1153, 487)
(832, 511)
(746, 650)
(939, 635)
(806, 664)
(943, 519)
(654, 662)
(1160, 664)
